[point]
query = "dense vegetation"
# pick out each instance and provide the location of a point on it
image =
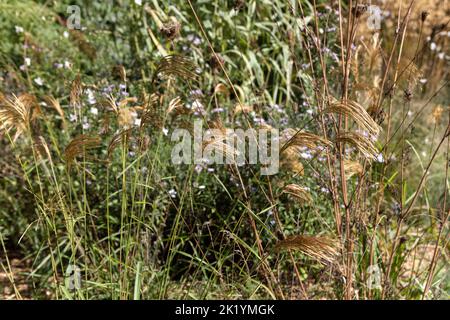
(358, 210)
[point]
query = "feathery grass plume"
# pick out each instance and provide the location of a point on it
(298, 192)
(78, 147)
(17, 113)
(76, 90)
(152, 117)
(322, 249)
(150, 100)
(299, 138)
(54, 103)
(109, 104)
(176, 65)
(117, 139)
(355, 111)
(351, 168)
(362, 143)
